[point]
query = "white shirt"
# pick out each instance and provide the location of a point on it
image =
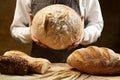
(90, 9)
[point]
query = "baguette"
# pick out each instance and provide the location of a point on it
(37, 65)
(95, 60)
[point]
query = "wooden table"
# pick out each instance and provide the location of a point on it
(59, 71)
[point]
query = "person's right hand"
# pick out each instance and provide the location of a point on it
(38, 42)
(33, 38)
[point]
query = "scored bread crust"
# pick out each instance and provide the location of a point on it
(57, 26)
(95, 60)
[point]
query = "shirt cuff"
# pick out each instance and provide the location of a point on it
(22, 34)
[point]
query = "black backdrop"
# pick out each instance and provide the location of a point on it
(110, 36)
(111, 33)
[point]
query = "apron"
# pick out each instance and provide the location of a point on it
(48, 53)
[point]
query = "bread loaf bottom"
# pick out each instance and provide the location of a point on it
(95, 60)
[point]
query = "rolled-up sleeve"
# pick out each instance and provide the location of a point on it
(93, 22)
(20, 29)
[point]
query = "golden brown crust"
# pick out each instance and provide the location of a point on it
(95, 60)
(105, 53)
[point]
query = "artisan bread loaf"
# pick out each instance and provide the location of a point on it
(95, 60)
(37, 65)
(57, 26)
(13, 65)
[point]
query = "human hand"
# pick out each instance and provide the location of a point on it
(38, 42)
(76, 43)
(33, 38)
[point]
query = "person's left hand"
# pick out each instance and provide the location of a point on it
(79, 41)
(76, 43)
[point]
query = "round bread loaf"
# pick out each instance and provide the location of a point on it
(57, 26)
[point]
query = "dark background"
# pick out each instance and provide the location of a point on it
(110, 36)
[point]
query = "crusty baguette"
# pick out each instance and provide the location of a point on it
(38, 65)
(95, 60)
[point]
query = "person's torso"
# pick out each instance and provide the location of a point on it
(39, 4)
(52, 55)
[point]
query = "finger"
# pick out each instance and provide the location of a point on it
(82, 17)
(38, 42)
(31, 18)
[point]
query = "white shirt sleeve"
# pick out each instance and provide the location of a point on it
(19, 29)
(92, 16)
(93, 22)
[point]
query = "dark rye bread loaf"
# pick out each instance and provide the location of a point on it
(57, 27)
(95, 60)
(13, 65)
